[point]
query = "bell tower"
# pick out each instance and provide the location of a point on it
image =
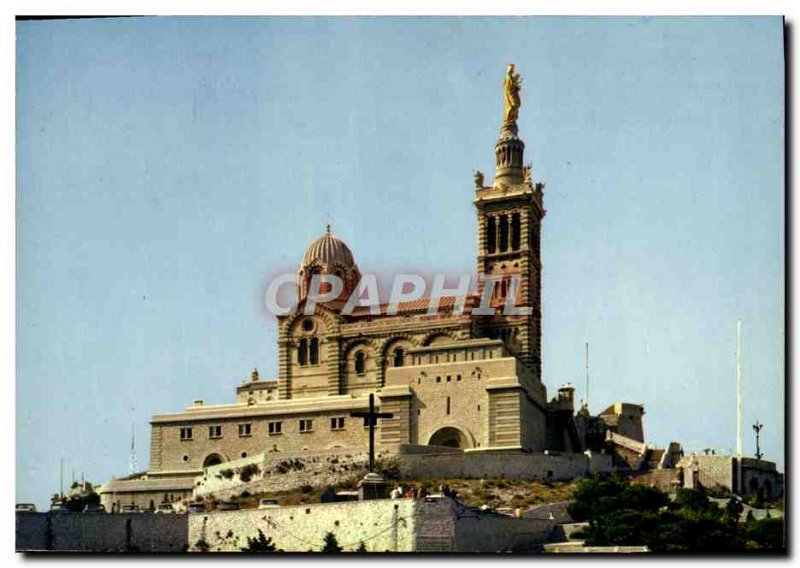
(510, 213)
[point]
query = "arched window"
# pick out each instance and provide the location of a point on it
(503, 246)
(360, 363)
(515, 231)
(491, 234)
(399, 356)
(302, 352)
(313, 352)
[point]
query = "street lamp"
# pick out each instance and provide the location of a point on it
(757, 427)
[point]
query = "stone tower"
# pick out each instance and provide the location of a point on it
(510, 213)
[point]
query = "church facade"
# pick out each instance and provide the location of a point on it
(461, 378)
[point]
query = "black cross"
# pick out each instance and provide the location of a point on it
(372, 418)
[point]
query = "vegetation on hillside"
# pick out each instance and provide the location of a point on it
(620, 513)
(496, 493)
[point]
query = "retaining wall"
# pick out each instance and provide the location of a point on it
(101, 532)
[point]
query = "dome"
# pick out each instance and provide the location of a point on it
(327, 250)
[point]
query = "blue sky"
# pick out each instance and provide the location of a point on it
(166, 168)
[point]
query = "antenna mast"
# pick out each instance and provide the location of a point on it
(739, 443)
(133, 465)
(587, 375)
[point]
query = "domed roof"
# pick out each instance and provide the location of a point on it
(329, 249)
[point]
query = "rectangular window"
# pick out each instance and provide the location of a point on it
(215, 431)
(244, 430)
(337, 423)
(274, 428)
(306, 425)
(366, 422)
(186, 433)
(448, 405)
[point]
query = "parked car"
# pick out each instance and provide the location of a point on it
(268, 504)
(59, 508)
(196, 508)
(94, 508)
(130, 509)
(167, 508)
(228, 506)
(25, 508)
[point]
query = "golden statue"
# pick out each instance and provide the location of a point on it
(511, 86)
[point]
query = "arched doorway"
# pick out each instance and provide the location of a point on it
(212, 459)
(449, 437)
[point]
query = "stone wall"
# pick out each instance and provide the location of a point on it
(667, 480)
(496, 465)
(385, 525)
(101, 532)
(709, 471)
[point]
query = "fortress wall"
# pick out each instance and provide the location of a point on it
(393, 525)
(497, 465)
(101, 532)
(383, 525)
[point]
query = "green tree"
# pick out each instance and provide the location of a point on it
(695, 500)
(259, 544)
(331, 544)
(620, 513)
(733, 510)
(362, 547)
(766, 533)
(77, 503)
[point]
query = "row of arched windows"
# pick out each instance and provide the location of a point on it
(308, 351)
(360, 360)
(502, 235)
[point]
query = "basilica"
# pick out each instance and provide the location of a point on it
(463, 379)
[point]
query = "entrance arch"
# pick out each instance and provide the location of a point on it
(449, 437)
(212, 459)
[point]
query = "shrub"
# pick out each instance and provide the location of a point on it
(227, 473)
(331, 545)
(306, 488)
(246, 473)
(260, 544)
(718, 492)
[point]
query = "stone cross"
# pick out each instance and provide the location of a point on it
(372, 417)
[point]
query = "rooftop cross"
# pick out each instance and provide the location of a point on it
(372, 417)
